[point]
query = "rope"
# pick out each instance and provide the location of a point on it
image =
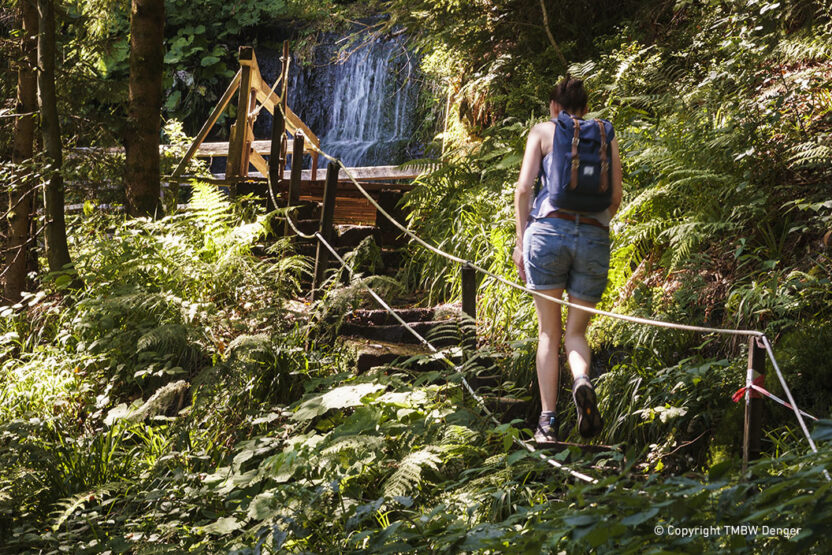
(777, 399)
(623, 317)
(445, 359)
(789, 396)
(462, 261)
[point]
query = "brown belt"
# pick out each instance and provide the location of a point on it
(575, 217)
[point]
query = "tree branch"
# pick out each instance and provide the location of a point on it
(549, 34)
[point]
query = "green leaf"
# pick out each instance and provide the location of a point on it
(823, 430)
(173, 100)
(209, 61)
(338, 398)
(223, 526)
(580, 520)
(638, 518)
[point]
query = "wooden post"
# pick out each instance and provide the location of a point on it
(390, 234)
(240, 143)
(314, 166)
(752, 430)
(469, 305)
(293, 193)
(275, 162)
(284, 90)
(326, 228)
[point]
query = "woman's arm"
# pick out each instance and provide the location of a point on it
(617, 178)
(523, 194)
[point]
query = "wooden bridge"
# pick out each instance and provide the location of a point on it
(248, 169)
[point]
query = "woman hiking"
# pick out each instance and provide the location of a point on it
(563, 241)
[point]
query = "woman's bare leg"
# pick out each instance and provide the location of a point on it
(577, 349)
(548, 348)
(578, 355)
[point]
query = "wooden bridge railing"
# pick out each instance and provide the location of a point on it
(242, 149)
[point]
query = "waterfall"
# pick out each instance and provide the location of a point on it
(362, 109)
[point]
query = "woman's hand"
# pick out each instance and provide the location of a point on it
(517, 256)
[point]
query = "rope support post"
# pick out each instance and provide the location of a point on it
(293, 193)
(469, 304)
(326, 229)
(275, 166)
(752, 429)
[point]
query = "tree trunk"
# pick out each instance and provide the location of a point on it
(21, 193)
(147, 23)
(57, 252)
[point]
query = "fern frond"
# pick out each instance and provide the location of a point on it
(810, 155)
(408, 476)
(170, 338)
(355, 443)
(66, 507)
(210, 209)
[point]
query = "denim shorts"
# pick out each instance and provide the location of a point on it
(564, 254)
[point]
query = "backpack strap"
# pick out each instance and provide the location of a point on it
(576, 138)
(605, 173)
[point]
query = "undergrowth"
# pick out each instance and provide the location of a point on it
(185, 400)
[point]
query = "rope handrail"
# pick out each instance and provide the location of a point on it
(633, 319)
(444, 358)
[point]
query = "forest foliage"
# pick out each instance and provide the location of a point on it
(185, 399)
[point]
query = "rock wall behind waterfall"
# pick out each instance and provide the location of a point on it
(363, 109)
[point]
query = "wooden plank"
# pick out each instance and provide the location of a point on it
(209, 123)
(211, 150)
(372, 173)
(306, 187)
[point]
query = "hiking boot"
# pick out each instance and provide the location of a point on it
(547, 429)
(589, 418)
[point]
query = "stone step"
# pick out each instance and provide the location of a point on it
(507, 408)
(416, 314)
(440, 333)
(368, 354)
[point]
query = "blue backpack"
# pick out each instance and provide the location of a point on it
(580, 170)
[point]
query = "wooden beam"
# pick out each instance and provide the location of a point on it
(258, 162)
(270, 99)
(237, 145)
(210, 150)
(209, 123)
(372, 173)
(218, 181)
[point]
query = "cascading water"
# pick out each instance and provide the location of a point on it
(362, 109)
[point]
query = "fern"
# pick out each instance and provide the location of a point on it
(408, 476)
(812, 154)
(67, 506)
(170, 338)
(356, 444)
